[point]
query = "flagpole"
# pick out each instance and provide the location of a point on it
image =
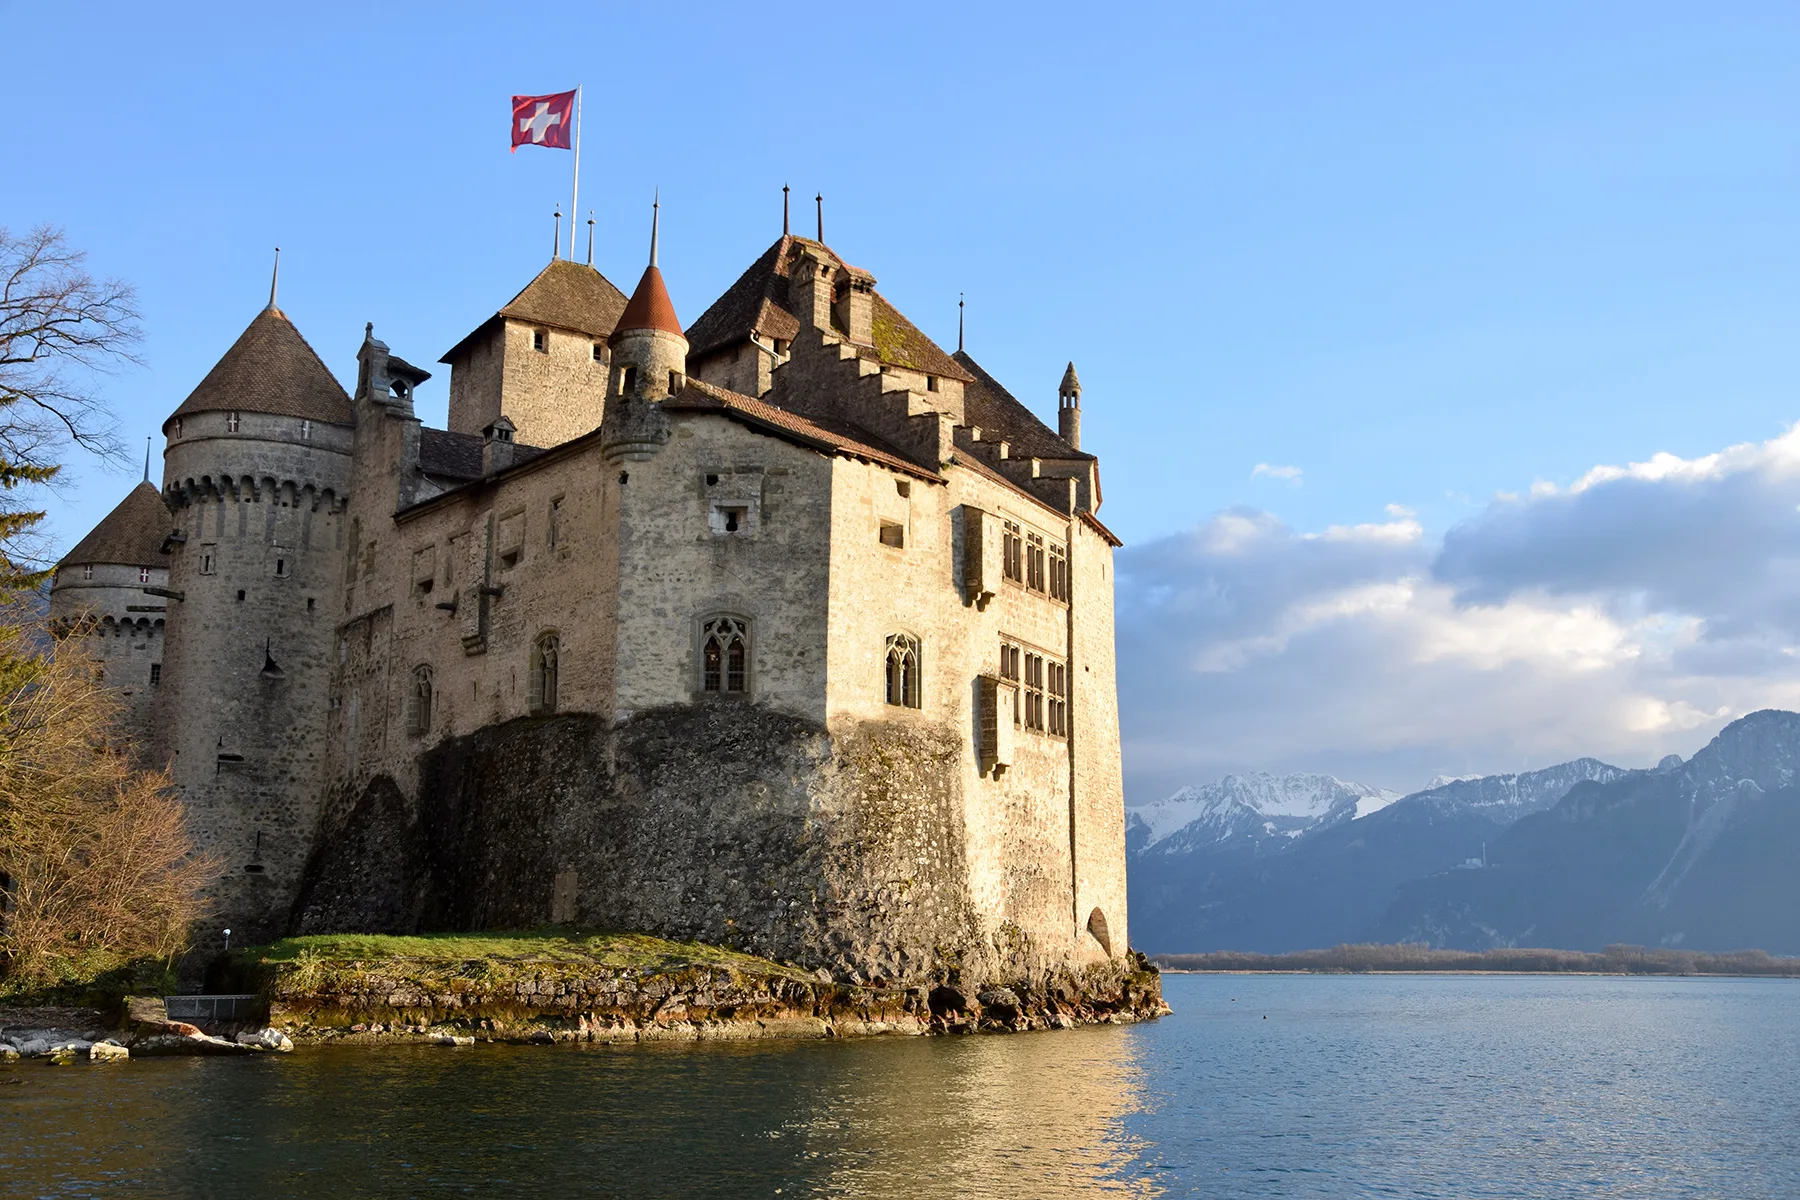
(575, 190)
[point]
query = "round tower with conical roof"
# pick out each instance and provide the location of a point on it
(255, 474)
(649, 364)
(108, 591)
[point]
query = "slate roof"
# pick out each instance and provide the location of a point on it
(650, 306)
(451, 455)
(999, 416)
(131, 534)
(758, 303)
(564, 295)
(270, 369)
(831, 437)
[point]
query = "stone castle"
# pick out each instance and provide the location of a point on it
(786, 631)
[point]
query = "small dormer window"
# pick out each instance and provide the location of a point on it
(306, 431)
(232, 420)
(540, 341)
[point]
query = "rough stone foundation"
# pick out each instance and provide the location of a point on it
(724, 823)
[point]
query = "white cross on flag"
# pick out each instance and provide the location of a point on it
(542, 120)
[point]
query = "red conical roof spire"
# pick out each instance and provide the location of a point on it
(650, 307)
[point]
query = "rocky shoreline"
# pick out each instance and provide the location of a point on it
(142, 1030)
(614, 998)
(551, 1002)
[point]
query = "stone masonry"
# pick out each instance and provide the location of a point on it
(785, 631)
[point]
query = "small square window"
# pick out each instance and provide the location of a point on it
(931, 383)
(903, 487)
(730, 519)
(599, 353)
(893, 534)
(540, 341)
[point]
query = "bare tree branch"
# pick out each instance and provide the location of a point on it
(60, 329)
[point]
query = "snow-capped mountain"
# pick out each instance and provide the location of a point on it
(1701, 854)
(1254, 807)
(1509, 797)
(1211, 869)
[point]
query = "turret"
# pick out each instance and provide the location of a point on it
(649, 364)
(109, 592)
(1068, 408)
(256, 471)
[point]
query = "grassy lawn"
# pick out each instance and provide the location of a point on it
(560, 945)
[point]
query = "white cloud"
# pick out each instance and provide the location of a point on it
(1269, 470)
(1627, 615)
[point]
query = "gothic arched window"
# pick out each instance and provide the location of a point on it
(545, 653)
(903, 670)
(725, 655)
(418, 704)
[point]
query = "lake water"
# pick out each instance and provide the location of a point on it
(1304, 1086)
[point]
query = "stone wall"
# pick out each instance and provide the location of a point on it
(729, 824)
(551, 395)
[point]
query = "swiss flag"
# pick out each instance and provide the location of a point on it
(542, 120)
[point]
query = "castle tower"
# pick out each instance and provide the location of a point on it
(255, 473)
(1068, 408)
(101, 595)
(649, 364)
(542, 359)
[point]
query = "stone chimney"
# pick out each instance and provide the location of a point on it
(497, 446)
(811, 287)
(1068, 408)
(855, 305)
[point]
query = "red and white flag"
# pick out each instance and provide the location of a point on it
(542, 121)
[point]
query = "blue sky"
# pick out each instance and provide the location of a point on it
(1422, 255)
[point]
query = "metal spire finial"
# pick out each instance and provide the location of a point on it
(784, 210)
(820, 201)
(655, 219)
(959, 322)
(146, 460)
(590, 237)
(275, 277)
(556, 238)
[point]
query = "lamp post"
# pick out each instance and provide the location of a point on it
(228, 939)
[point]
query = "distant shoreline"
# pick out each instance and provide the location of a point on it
(1407, 959)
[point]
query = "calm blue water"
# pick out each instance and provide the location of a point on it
(1351, 1086)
